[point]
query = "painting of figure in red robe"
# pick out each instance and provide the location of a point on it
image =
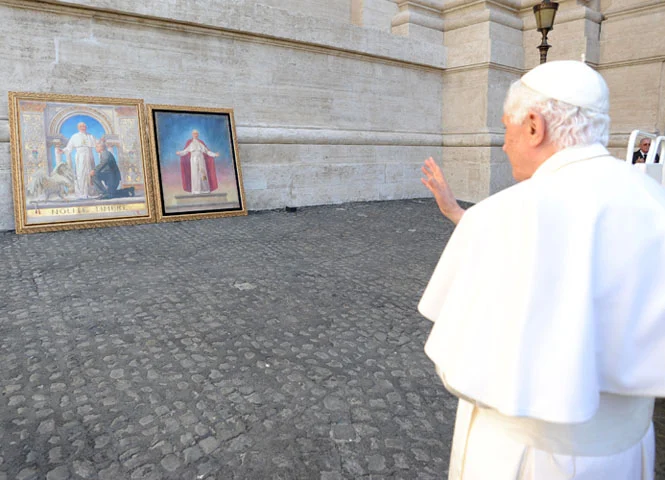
(197, 170)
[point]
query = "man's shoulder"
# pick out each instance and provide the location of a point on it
(609, 184)
(580, 186)
(505, 198)
(107, 156)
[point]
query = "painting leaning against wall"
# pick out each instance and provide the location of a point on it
(78, 162)
(196, 168)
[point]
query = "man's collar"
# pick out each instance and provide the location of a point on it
(569, 155)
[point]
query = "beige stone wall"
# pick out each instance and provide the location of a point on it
(376, 14)
(336, 10)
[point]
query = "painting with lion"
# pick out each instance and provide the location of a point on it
(78, 162)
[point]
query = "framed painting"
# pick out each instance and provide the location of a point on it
(195, 163)
(78, 162)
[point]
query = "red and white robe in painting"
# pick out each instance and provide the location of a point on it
(197, 167)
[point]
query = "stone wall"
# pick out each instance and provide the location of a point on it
(326, 111)
(485, 54)
(334, 100)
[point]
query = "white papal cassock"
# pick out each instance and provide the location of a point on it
(199, 176)
(84, 161)
(549, 311)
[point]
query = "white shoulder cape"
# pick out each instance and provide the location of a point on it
(554, 290)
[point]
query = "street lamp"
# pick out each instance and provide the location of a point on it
(545, 13)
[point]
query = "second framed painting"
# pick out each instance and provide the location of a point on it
(195, 159)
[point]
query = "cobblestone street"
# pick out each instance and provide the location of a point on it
(273, 346)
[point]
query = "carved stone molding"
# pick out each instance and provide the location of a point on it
(265, 25)
(314, 136)
(452, 5)
(480, 13)
(647, 6)
(419, 20)
(631, 62)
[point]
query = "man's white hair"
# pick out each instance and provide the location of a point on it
(566, 124)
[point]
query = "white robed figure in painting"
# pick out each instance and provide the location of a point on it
(84, 144)
(548, 303)
(197, 166)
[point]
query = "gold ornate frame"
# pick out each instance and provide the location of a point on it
(86, 211)
(161, 214)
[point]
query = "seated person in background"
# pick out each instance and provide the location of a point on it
(106, 175)
(640, 156)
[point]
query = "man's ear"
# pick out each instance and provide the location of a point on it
(536, 125)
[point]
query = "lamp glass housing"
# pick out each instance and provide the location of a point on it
(545, 13)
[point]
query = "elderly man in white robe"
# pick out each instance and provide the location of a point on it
(198, 166)
(84, 144)
(547, 302)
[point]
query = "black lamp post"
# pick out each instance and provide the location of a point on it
(545, 13)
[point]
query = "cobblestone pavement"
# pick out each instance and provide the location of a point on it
(274, 346)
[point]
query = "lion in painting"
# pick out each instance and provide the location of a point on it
(59, 182)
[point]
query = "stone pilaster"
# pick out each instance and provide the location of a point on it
(483, 40)
(419, 20)
(376, 14)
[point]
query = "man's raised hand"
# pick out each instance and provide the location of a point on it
(436, 182)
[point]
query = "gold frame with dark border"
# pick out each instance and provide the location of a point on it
(175, 217)
(20, 209)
